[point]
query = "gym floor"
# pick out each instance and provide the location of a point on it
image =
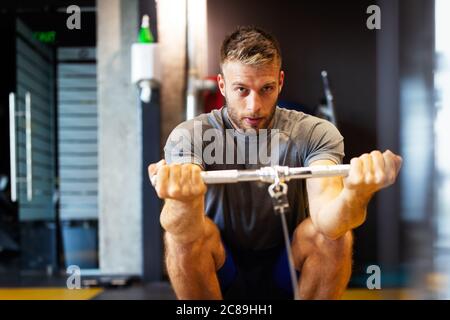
(160, 291)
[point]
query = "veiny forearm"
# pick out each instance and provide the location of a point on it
(346, 212)
(185, 221)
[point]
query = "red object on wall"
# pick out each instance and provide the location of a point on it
(212, 99)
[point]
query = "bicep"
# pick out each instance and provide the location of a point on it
(322, 190)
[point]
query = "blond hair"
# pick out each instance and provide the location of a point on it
(251, 46)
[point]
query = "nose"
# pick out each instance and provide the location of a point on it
(253, 104)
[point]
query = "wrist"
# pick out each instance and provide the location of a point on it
(186, 205)
(184, 221)
(356, 198)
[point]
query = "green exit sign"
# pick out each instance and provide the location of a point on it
(45, 36)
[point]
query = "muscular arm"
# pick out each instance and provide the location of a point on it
(332, 211)
(183, 191)
(337, 204)
(174, 218)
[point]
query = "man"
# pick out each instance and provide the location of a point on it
(225, 241)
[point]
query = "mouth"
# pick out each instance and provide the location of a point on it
(253, 121)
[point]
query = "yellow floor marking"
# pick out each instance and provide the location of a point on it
(90, 293)
(383, 294)
(48, 293)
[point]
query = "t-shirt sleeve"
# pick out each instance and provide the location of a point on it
(181, 146)
(325, 143)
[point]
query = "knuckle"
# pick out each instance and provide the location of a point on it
(368, 179)
(392, 177)
(185, 173)
(380, 178)
(364, 158)
(198, 189)
(195, 190)
(162, 172)
(375, 153)
(185, 166)
(185, 191)
(174, 191)
(162, 193)
(359, 181)
(196, 175)
(195, 168)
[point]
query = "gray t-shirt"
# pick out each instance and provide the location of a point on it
(243, 211)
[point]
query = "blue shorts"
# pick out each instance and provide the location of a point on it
(255, 275)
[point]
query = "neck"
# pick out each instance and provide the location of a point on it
(236, 127)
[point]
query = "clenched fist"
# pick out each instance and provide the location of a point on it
(372, 172)
(181, 182)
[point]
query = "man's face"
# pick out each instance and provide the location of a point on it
(251, 93)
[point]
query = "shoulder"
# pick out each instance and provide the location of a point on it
(203, 121)
(302, 125)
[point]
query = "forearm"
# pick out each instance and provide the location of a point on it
(184, 221)
(346, 212)
(339, 205)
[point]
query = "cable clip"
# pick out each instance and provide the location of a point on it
(278, 191)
